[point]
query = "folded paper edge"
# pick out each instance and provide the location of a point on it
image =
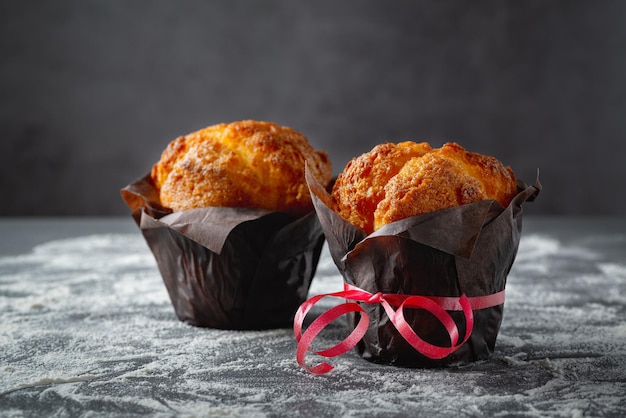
(150, 214)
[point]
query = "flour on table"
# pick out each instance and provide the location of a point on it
(87, 327)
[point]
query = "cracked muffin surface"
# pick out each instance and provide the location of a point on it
(240, 164)
(396, 181)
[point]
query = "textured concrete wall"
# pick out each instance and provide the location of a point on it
(92, 91)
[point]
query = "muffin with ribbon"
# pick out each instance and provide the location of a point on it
(424, 239)
(228, 216)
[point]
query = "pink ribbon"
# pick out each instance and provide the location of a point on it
(438, 306)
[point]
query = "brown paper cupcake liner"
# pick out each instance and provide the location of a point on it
(229, 268)
(466, 250)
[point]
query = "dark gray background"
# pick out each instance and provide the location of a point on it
(92, 91)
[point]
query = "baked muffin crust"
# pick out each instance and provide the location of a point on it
(240, 164)
(393, 182)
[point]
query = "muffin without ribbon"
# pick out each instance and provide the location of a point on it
(229, 218)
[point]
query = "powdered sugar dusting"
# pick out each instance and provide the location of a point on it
(87, 327)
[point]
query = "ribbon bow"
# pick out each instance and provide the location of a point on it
(438, 306)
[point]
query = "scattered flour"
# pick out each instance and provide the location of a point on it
(87, 326)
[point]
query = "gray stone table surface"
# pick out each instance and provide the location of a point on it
(87, 329)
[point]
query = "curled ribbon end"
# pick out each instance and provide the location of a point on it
(306, 339)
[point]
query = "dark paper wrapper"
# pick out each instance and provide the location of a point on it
(229, 268)
(467, 250)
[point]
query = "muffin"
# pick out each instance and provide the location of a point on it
(406, 222)
(228, 216)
